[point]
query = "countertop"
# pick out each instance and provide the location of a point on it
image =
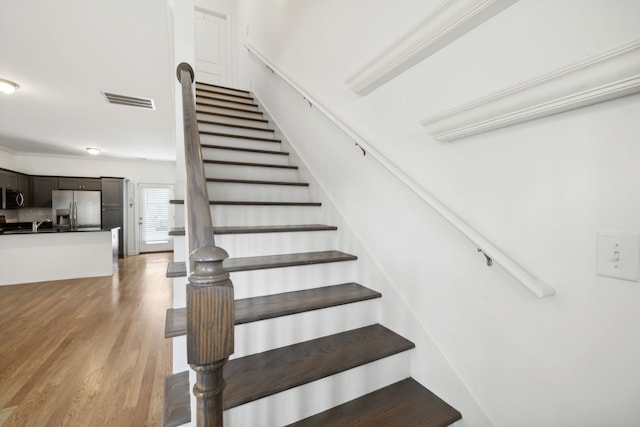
(51, 230)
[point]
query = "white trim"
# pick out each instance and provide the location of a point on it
(536, 286)
(448, 23)
(607, 76)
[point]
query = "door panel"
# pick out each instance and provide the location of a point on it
(212, 48)
(155, 217)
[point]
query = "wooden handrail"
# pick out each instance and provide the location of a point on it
(210, 304)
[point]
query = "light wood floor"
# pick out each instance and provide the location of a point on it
(86, 352)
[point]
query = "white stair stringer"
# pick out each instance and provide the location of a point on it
(300, 402)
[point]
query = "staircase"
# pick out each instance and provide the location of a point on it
(308, 348)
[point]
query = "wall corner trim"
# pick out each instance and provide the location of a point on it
(448, 23)
(610, 75)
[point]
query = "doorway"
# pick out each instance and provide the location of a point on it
(213, 47)
(155, 217)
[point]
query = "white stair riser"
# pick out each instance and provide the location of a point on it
(179, 291)
(255, 283)
(208, 127)
(179, 248)
(214, 170)
(243, 245)
(256, 337)
(221, 110)
(257, 192)
(201, 102)
(232, 120)
(240, 143)
(265, 215)
(221, 90)
(300, 402)
(243, 156)
(180, 363)
(223, 96)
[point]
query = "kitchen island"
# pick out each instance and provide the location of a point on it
(53, 254)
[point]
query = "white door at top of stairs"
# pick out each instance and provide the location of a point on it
(212, 38)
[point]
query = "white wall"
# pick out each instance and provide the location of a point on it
(539, 190)
(7, 159)
(147, 171)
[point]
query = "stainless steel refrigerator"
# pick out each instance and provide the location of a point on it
(76, 209)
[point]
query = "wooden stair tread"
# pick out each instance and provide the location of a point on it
(226, 107)
(285, 260)
(406, 403)
(212, 91)
(176, 269)
(251, 203)
(240, 106)
(267, 307)
(211, 85)
(212, 95)
(250, 229)
(252, 181)
(231, 135)
(231, 116)
(247, 150)
(179, 269)
(177, 404)
(263, 374)
(258, 165)
(233, 125)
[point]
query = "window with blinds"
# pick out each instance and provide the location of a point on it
(155, 221)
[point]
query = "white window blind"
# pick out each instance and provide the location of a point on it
(155, 223)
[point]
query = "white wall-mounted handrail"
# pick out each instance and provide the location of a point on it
(537, 287)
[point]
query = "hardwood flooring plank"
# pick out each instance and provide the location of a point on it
(86, 351)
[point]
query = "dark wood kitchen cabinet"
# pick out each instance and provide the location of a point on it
(41, 189)
(77, 183)
(113, 208)
(25, 189)
(8, 179)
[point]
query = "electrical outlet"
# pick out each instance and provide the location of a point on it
(618, 255)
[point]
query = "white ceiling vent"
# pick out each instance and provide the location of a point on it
(132, 101)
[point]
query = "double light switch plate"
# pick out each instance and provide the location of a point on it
(618, 256)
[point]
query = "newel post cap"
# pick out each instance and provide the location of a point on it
(183, 66)
(207, 265)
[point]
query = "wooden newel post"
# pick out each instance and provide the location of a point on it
(210, 320)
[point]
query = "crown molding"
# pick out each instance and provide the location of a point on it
(448, 23)
(610, 75)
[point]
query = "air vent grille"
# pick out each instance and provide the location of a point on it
(132, 101)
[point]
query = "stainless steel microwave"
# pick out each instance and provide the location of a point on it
(11, 199)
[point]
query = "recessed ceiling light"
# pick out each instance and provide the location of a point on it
(93, 151)
(7, 86)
